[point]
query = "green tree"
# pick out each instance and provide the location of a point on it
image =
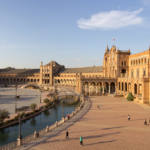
(33, 106)
(46, 101)
(130, 97)
(3, 115)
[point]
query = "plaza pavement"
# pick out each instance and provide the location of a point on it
(106, 128)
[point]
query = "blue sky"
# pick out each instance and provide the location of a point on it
(72, 32)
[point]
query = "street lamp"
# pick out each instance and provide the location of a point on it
(40, 95)
(63, 109)
(16, 99)
(20, 136)
(19, 140)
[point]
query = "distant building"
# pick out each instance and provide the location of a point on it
(121, 73)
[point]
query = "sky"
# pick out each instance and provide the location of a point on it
(74, 33)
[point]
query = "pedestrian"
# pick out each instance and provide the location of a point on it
(81, 140)
(129, 117)
(145, 122)
(68, 116)
(98, 106)
(67, 134)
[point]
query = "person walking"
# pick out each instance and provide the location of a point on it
(67, 134)
(145, 122)
(98, 106)
(81, 140)
(129, 117)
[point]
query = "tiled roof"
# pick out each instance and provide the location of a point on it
(93, 69)
(18, 71)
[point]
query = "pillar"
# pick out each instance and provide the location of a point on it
(103, 88)
(109, 89)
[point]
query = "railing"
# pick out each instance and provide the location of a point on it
(32, 137)
(9, 146)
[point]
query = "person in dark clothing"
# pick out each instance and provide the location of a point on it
(81, 140)
(145, 122)
(67, 134)
(129, 117)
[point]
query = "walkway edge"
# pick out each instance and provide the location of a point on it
(59, 129)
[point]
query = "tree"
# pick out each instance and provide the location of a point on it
(130, 97)
(33, 106)
(46, 101)
(3, 115)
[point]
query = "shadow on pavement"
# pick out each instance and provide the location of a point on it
(100, 142)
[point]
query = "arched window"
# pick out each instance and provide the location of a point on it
(122, 87)
(126, 87)
(144, 72)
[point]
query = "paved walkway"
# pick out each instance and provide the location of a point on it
(59, 129)
(105, 127)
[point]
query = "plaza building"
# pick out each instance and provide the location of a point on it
(120, 74)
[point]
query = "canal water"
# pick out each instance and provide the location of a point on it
(37, 123)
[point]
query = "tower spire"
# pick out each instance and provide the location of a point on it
(107, 49)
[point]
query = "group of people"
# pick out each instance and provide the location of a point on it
(145, 121)
(81, 138)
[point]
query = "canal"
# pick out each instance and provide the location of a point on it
(37, 123)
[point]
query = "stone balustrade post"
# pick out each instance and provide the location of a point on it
(47, 129)
(19, 141)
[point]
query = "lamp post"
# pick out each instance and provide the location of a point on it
(16, 98)
(63, 109)
(20, 136)
(40, 95)
(19, 140)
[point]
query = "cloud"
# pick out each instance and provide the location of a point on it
(111, 20)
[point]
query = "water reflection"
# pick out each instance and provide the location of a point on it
(46, 113)
(4, 135)
(33, 122)
(39, 122)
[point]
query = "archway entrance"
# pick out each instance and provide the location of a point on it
(112, 87)
(135, 88)
(106, 87)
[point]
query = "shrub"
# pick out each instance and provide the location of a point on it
(46, 101)
(33, 106)
(3, 115)
(130, 97)
(22, 114)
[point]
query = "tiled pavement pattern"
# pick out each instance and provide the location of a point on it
(104, 128)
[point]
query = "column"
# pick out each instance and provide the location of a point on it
(109, 88)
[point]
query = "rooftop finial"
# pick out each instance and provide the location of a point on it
(107, 49)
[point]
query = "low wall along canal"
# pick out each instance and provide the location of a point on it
(42, 123)
(37, 123)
